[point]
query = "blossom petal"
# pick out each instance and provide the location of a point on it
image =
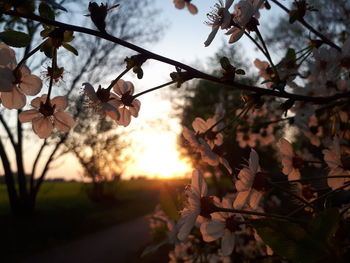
(28, 115)
(43, 127)
(192, 8)
(227, 243)
(198, 184)
(199, 125)
(38, 100)
(253, 161)
(212, 35)
(294, 175)
(179, 4)
(25, 71)
(245, 181)
(125, 117)
(236, 33)
(136, 108)
(7, 55)
(123, 87)
(14, 99)
(212, 230)
(241, 199)
(254, 199)
(285, 147)
(6, 80)
(30, 85)
(63, 121)
(111, 111)
(60, 102)
(185, 223)
(90, 92)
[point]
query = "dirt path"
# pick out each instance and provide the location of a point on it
(118, 244)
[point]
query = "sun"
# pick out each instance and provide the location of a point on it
(155, 154)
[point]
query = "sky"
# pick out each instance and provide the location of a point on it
(154, 145)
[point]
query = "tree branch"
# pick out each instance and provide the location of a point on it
(13, 197)
(195, 73)
(32, 175)
(308, 26)
(8, 131)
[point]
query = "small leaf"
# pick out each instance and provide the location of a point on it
(290, 55)
(70, 48)
(45, 11)
(15, 38)
(240, 71)
(225, 63)
(153, 248)
(140, 73)
(266, 81)
(55, 5)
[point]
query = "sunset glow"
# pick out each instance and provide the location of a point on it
(155, 154)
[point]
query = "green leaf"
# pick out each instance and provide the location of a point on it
(45, 11)
(290, 240)
(15, 38)
(70, 48)
(153, 248)
(55, 5)
(240, 71)
(266, 81)
(140, 73)
(290, 55)
(168, 202)
(225, 63)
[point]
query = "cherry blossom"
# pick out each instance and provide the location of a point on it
(100, 100)
(201, 146)
(291, 162)
(125, 102)
(180, 4)
(314, 131)
(223, 225)
(251, 184)
(181, 253)
(7, 56)
(47, 115)
(15, 84)
(210, 132)
(219, 17)
(265, 71)
(244, 11)
(197, 201)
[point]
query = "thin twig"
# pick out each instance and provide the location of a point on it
(194, 72)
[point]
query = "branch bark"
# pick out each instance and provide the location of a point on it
(194, 72)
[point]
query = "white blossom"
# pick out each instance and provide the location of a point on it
(48, 114)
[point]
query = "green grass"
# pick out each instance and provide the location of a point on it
(65, 213)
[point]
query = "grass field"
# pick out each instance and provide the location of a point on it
(64, 213)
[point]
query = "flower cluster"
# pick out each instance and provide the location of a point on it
(120, 105)
(16, 81)
(244, 17)
(275, 205)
